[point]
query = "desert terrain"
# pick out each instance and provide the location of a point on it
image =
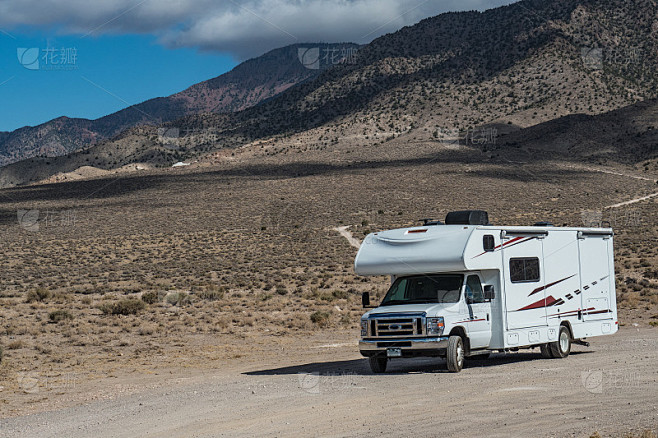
(166, 282)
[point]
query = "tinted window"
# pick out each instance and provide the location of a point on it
(488, 243)
(474, 289)
(525, 269)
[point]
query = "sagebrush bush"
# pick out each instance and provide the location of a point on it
(320, 318)
(59, 315)
(212, 293)
(129, 306)
(38, 294)
(152, 297)
(178, 299)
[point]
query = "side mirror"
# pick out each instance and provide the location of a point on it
(365, 299)
(489, 293)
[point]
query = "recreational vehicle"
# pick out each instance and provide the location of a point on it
(466, 287)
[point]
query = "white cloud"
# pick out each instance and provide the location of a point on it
(243, 28)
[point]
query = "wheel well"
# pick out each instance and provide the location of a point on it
(568, 326)
(459, 331)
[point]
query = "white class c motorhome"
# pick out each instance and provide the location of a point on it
(467, 287)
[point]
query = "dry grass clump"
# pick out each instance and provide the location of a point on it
(321, 318)
(59, 315)
(39, 294)
(128, 306)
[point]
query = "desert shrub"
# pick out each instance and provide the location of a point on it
(129, 306)
(151, 297)
(38, 294)
(340, 294)
(320, 318)
(2, 352)
(59, 315)
(212, 293)
(281, 290)
(178, 299)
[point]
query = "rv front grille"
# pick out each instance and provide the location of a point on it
(387, 327)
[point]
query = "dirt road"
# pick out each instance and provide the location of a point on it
(609, 387)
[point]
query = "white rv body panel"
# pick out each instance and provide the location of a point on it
(543, 277)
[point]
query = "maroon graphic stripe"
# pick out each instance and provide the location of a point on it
(539, 289)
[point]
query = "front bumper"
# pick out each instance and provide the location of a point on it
(434, 346)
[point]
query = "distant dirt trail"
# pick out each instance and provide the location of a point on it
(633, 201)
(346, 234)
(621, 204)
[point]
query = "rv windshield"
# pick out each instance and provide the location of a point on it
(439, 288)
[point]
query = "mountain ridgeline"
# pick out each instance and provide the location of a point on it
(521, 65)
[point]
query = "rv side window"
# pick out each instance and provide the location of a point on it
(488, 243)
(524, 269)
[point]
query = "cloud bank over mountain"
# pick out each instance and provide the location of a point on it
(241, 28)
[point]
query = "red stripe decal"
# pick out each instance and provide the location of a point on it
(545, 302)
(497, 247)
(539, 289)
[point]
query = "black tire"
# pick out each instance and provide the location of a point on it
(546, 351)
(378, 364)
(562, 347)
(455, 354)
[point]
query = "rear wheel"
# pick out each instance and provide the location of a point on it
(562, 347)
(378, 364)
(546, 351)
(455, 354)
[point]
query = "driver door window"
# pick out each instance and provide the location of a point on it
(474, 289)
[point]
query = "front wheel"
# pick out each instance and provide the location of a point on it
(546, 351)
(378, 364)
(562, 347)
(455, 354)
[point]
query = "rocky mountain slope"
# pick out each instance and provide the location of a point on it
(515, 66)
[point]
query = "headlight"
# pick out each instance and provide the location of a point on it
(364, 327)
(435, 326)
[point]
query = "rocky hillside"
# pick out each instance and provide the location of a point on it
(515, 66)
(246, 85)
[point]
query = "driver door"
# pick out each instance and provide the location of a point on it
(479, 313)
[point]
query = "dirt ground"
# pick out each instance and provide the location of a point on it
(321, 386)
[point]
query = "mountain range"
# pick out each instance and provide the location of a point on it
(540, 70)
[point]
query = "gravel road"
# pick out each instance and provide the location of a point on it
(609, 387)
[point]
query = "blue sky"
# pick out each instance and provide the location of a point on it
(98, 75)
(128, 51)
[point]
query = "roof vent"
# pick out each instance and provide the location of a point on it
(467, 217)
